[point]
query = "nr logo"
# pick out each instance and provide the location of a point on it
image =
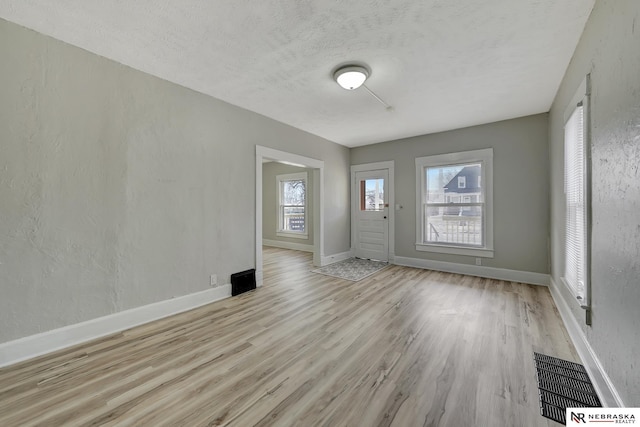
(577, 417)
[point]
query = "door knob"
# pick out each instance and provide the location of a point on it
(385, 217)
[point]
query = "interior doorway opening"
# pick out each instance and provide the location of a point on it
(315, 170)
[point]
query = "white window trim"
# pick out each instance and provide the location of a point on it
(486, 157)
(581, 97)
(300, 176)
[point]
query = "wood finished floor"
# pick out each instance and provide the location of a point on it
(404, 347)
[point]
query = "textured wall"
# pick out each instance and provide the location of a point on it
(610, 50)
(521, 188)
(270, 202)
(118, 189)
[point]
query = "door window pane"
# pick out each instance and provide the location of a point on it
(372, 194)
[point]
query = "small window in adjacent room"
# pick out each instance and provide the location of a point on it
(576, 200)
(292, 205)
(453, 215)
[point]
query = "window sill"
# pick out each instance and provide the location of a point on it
(304, 236)
(455, 250)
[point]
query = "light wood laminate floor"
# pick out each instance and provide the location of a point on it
(404, 347)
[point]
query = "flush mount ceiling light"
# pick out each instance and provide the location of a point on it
(351, 77)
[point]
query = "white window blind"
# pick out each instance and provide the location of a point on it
(576, 207)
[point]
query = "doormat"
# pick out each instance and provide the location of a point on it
(561, 385)
(353, 269)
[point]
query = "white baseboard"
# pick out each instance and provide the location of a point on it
(476, 270)
(259, 278)
(288, 245)
(607, 392)
(330, 259)
(35, 345)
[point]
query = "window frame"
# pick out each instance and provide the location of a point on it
(280, 180)
(483, 156)
(580, 100)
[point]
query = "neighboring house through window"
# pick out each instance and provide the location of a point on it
(454, 215)
(292, 205)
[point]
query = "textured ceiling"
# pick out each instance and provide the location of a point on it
(441, 64)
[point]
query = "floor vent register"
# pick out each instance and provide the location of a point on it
(562, 384)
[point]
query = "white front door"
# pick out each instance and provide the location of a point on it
(371, 215)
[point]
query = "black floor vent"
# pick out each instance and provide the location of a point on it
(243, 281)
(561, 385)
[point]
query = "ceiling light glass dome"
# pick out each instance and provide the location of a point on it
(351, 77)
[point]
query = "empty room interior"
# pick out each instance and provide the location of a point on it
(318, 213)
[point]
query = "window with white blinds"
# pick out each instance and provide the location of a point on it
(575, 178)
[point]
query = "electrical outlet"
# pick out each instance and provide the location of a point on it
(214, 279)
(478, 261)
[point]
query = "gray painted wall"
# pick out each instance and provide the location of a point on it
(270, 202)
(118, 189)
(610, 50)
(521, 188)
